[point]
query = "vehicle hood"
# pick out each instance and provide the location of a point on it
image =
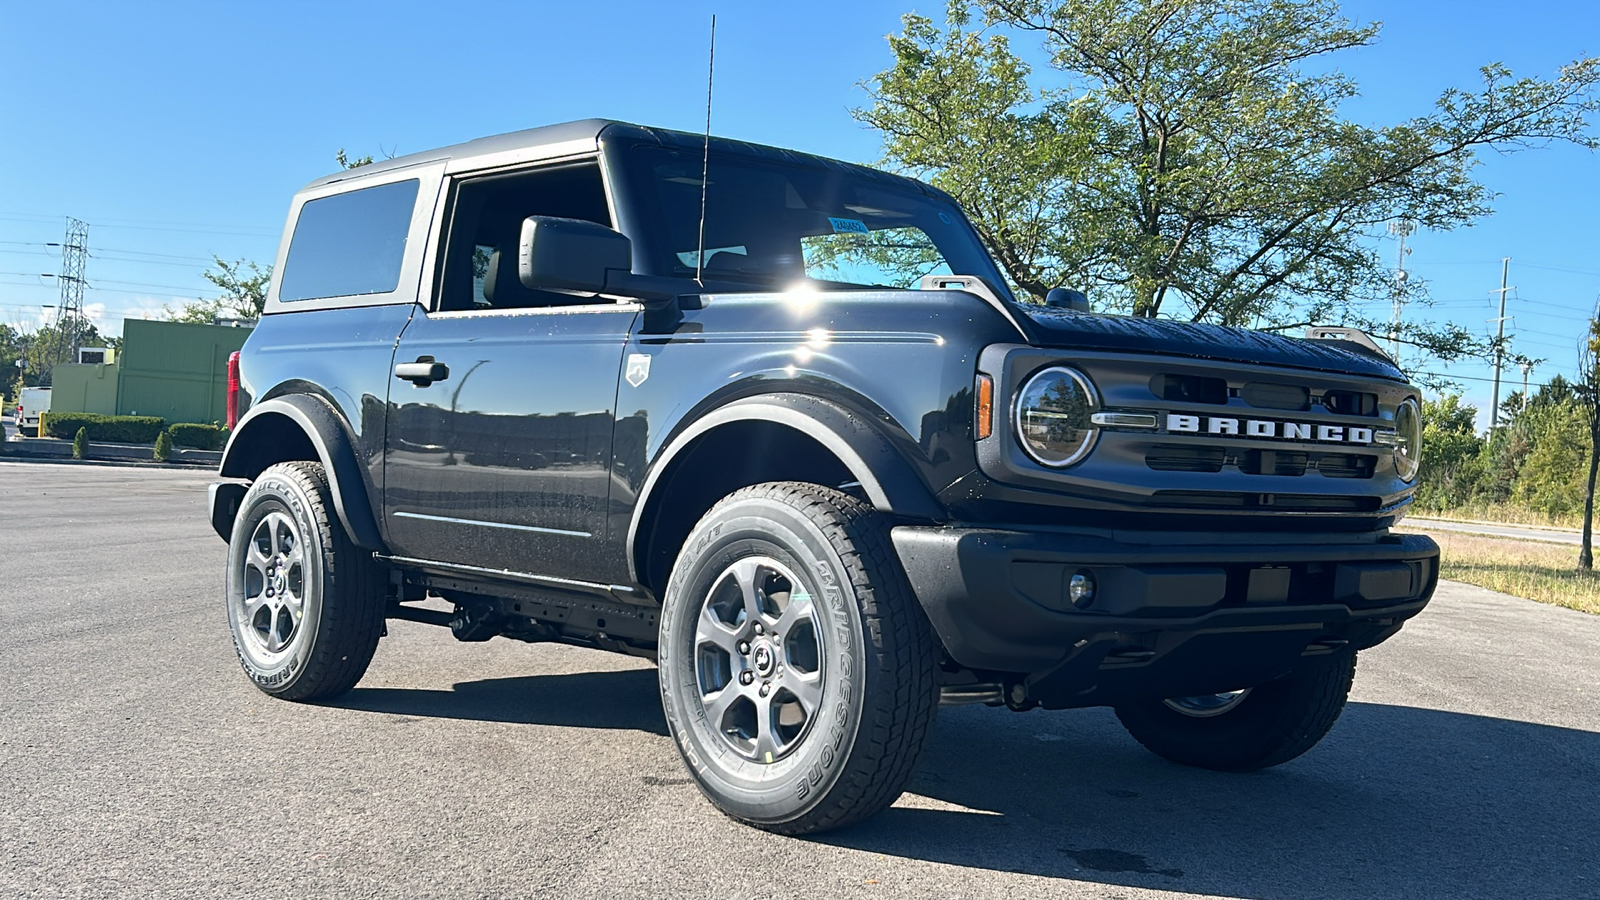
(1051, 328)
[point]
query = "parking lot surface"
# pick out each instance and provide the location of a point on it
(136, 760)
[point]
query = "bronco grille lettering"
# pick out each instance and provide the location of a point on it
(1267, 428)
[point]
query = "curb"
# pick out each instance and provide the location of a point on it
(117, 463)
(54, 449)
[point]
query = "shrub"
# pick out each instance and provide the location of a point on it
(116, 429)
(80, 444)
(163, 450)
(200, 437)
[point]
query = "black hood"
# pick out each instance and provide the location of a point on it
(1050, 328)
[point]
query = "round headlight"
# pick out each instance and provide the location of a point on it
(1407, 439)
(1052, 416)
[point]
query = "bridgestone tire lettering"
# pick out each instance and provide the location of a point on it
(343, 590)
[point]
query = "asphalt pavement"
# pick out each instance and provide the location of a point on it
(1494, 529)
(137, 761)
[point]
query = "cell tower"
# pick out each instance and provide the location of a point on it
(1401, 228)
(69, 312)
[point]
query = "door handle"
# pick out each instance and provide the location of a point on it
(425, 371)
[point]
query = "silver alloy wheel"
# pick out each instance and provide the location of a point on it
(759, 658)
(1207, 705)
(272, 604)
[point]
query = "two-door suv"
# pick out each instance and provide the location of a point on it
(778, 423)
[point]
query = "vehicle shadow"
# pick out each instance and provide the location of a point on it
(1396, 803)
(615, 700)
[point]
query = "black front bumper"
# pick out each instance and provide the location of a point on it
(1171, 615)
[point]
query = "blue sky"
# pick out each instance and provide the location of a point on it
(180, 130)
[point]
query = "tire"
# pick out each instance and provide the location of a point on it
(1265, 726)
(305, 605)
(798, 586)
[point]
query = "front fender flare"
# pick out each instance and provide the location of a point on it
(334, 443)
(892, 486)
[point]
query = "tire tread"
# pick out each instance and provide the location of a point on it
(351, 616)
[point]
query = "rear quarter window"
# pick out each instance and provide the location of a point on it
(349, 244)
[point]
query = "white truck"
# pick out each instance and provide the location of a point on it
(34, 402)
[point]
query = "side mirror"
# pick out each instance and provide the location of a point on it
(1066, 298)
(570, 255)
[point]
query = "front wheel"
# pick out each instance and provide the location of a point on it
(797, 670)
(304, 603)
(1246, 730)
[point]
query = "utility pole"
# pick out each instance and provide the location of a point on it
(1401, 228)
(1527, 366)
(69, 312)
(1499, 340)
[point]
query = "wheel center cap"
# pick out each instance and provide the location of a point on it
(278, 585)
(763, 657)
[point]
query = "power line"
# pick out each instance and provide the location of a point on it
(149, 224)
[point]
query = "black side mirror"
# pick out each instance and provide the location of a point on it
(1066, 298)
(580, 257)
(570, 255)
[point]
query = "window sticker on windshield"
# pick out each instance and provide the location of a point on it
(852, 226)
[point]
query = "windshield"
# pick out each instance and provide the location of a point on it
(776, 225)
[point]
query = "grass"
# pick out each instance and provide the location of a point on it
(1504, 513)
(1544, 572)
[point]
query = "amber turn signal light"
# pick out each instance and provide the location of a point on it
(985, 406)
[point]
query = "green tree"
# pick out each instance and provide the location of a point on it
(44, 347)
(1452, 456)
(346, 162)
(1186, 158)
(11, 348)
(244, 293)
(1588, 393)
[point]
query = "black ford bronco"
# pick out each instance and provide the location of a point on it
(778, 423)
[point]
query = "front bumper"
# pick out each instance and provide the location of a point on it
(1171, 615)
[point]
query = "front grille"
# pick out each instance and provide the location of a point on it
(1261, 395)
(1287, 463)
(1273, 462)
(1346, 465)
(1264, 395)
(1169, 458)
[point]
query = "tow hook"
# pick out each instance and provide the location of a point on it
(1018, 699)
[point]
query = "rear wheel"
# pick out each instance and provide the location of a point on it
(304, 603)
(797, 670)
(1246, 730)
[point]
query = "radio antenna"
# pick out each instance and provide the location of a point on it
(705, 156)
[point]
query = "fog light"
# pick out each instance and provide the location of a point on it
(1080, 589)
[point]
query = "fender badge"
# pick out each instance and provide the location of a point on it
(638, 368)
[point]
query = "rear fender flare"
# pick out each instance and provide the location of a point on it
(248, 453)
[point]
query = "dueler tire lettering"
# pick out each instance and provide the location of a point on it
(877, 660)
(320, 645)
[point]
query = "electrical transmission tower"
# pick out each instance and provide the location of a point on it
(69, 311)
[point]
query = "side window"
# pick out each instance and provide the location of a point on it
(349, 244)
(480, 265)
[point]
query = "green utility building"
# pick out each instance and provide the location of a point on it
(168, 369)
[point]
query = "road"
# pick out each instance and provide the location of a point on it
(1490, 529)
(136, 761)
